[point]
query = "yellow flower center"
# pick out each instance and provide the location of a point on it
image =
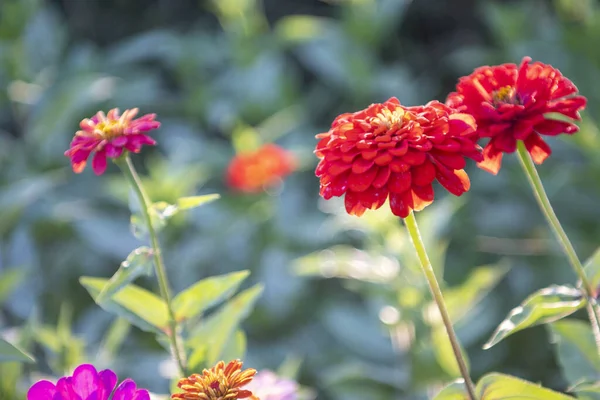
(389, 118)
(506, 95)
(109, 129)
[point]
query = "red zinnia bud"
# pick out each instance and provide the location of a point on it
(388, 150)
(107, 135)
(509, 103)
(252, 172)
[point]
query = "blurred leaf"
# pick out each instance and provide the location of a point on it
(461, 299)
(299, 28)
(186, 203)
(215, 331)
(8, 353)
(235, 349)
(349, 263)
(444, 354)
(496, 386)
(139, 306)
(138, 263)
(546, 305)
(453, 391)
(592, 269)
(206, 293)
(576, 350)
(9, 280)
(245, 139)
(115, 336)
(587, 390)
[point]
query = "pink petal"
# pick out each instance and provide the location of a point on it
(108, 381)
(42, 390)
(85, 377)
(99, 162)
(125, 391)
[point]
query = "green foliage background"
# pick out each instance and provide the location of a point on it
(221, 74)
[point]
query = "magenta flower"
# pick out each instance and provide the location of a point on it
(268, 386)
(108, 135)
(87, 384)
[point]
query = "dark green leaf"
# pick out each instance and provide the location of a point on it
(8, 353)
(206, 293)
(138, 263)
(577, 352)
(454, 391)
(216, 331)
(544, 306)
(139, 306)
(498, 386)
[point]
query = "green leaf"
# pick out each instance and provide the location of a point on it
(592, 269)
(9, 352)
(498, 386)
(206, 293)
(186, 203)
(454, 391)
(544, 306)
(9, 280)
(576, 349)
(461, 299)
(139, 306)
(138, 263)
(235, 349)
(587, 390)
(442, 348)
(216, 330)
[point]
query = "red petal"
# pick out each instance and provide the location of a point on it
(400, 150)
(352, 203)
(455, 181)
(399, 183)
(414, 157)
(461, 124)
(423, 174)
(506, 143)
(422, 197)
(361, 165)
(492, 159)
(373, 198)
(384, 158)
(552, 127)
(382, 177)
(338, 167)
(537, 148)
(401, 203)
(361, 182)
(451, 160)
(337, 187)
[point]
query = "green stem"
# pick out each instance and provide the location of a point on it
(415, 235)
(134, 180)
(544, 203)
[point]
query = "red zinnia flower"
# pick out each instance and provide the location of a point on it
(388, 150)
(253, 171)
(511, 104)
(107, 135)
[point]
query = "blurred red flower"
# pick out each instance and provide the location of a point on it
(108, 135)
(396, 152)
(251, 172)
(510, 104)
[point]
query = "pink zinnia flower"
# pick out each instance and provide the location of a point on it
(108, 135)
(87, 384)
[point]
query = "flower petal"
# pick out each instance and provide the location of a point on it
(42, 390)
(537, 148)
(108, 381)
(492, 159)
(125, 390)
(99, 162)
(401, 203)
(85, 381)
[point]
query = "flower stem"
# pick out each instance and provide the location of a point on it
(134, 180)
(563, 239)
(415, 235)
